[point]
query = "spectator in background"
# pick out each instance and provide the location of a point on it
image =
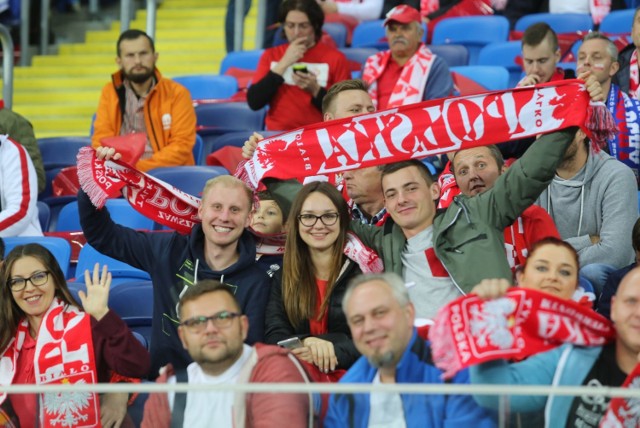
(350, 13)
(212, 329)
(615, 277)
(588, 200)
(218, 248)
(139, 100)
(271, 18)
(20, 130)
(408, 72)
(295, 95)
(381, 318)
(18, 191)
(476, 171)
(628, 76)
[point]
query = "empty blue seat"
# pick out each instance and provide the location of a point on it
(58, 152)
(474, 32)
(237, 139)
(229, 116)
(453, 55)
(337, 31)
(189, 179)
(208, 87)
(246, 60)
(359, 55)
(198, 150)
(371, 34)
(559, 22)
(492, 77)
(120, 210)
(133, 302)
(504, 54)
(59, 247)
(120, 272)
(617, 22)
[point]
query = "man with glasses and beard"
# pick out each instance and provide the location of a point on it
(213, 330)
(381, 318)
(138, 100)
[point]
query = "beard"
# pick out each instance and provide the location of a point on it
(384, 360)
(139, 77)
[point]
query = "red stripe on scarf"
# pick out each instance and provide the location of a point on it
(471, 330)
(422, 129)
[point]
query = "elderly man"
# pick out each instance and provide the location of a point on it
(408, 72)
(213, 329)
(381, 319)
(139, 100)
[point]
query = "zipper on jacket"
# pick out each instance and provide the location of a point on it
(456, 249)
(155, 138)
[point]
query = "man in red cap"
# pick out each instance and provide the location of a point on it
(408, 72)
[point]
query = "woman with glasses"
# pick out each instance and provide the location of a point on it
(47, 339)
(306, 297)
(293, 78)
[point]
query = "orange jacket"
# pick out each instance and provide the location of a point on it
(172, 145)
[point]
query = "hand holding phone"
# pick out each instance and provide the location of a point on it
(291, 343)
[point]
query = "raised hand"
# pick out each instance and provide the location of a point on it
(250, 145)
(95, 300)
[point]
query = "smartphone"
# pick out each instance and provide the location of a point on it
(292, 343)
(300, 68)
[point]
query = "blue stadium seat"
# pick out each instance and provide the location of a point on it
(492, 77)
(617, 22)
(371, 34)
(559, 22)
(120, 271)
(504, 54)
(337, 31)
(133, 302)
(68, 218)
(359, 55)
(120, 210)
(58, 152)
(453, 55)
(209, 87)
(189, 179)
(246, 60)
(59, 247)
(237, 139)
(44, 215)
(474, 32)
(198, 150)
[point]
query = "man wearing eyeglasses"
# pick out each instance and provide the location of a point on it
(213, 330)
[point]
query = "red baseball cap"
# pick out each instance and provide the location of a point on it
(403, 14)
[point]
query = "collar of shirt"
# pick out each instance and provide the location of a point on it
(357, 214)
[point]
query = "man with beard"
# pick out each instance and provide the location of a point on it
(139, 100)
(381, 319)
(408, 72)
(212, 329)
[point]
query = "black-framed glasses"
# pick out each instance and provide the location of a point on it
(38, 279)
(309, 220)
(220, 320)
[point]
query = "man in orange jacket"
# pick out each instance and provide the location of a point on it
(140, 100)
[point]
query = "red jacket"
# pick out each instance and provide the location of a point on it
(168, 101)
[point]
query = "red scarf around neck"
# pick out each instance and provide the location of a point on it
(624, 412)
(64, 354)
(470, 330)
(425, 129)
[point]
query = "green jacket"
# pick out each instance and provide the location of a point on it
(468, 235)
(20, 130)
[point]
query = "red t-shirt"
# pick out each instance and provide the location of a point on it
(387, 81)
(291, 107)
(25, 405)
(316, 327)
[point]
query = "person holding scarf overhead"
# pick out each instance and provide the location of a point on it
(47, 339)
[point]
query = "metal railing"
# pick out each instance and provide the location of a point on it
(7, 66)
(238, 24)
(125, 16)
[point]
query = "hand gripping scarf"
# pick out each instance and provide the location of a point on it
(64, 354)
(470, 330)
(171, 207)
(425, 129)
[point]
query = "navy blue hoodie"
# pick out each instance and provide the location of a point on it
(171, 260)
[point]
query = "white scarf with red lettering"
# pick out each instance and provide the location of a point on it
(599, 9)
(413, 78)
(425, 129)
(63, 354)
(634, 76)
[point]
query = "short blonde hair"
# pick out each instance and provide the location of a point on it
(228, 181)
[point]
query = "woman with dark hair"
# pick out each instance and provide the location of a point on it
(47, 339)
(306, 297)
(293, 78)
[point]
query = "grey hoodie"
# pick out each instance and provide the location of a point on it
(601, 199)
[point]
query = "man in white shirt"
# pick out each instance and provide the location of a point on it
(213, 330)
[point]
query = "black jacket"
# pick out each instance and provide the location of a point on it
(621, 78)
(278, 327)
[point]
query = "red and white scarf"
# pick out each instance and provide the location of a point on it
(524, 322)
(63, 354)
(599, 9)
(172, 207)
(634, 76)
(624, 412)
(425, 129)
(413, 78)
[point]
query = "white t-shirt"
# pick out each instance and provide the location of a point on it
(569, 6)
(431, 287)
(386, 409)
(206, 409)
